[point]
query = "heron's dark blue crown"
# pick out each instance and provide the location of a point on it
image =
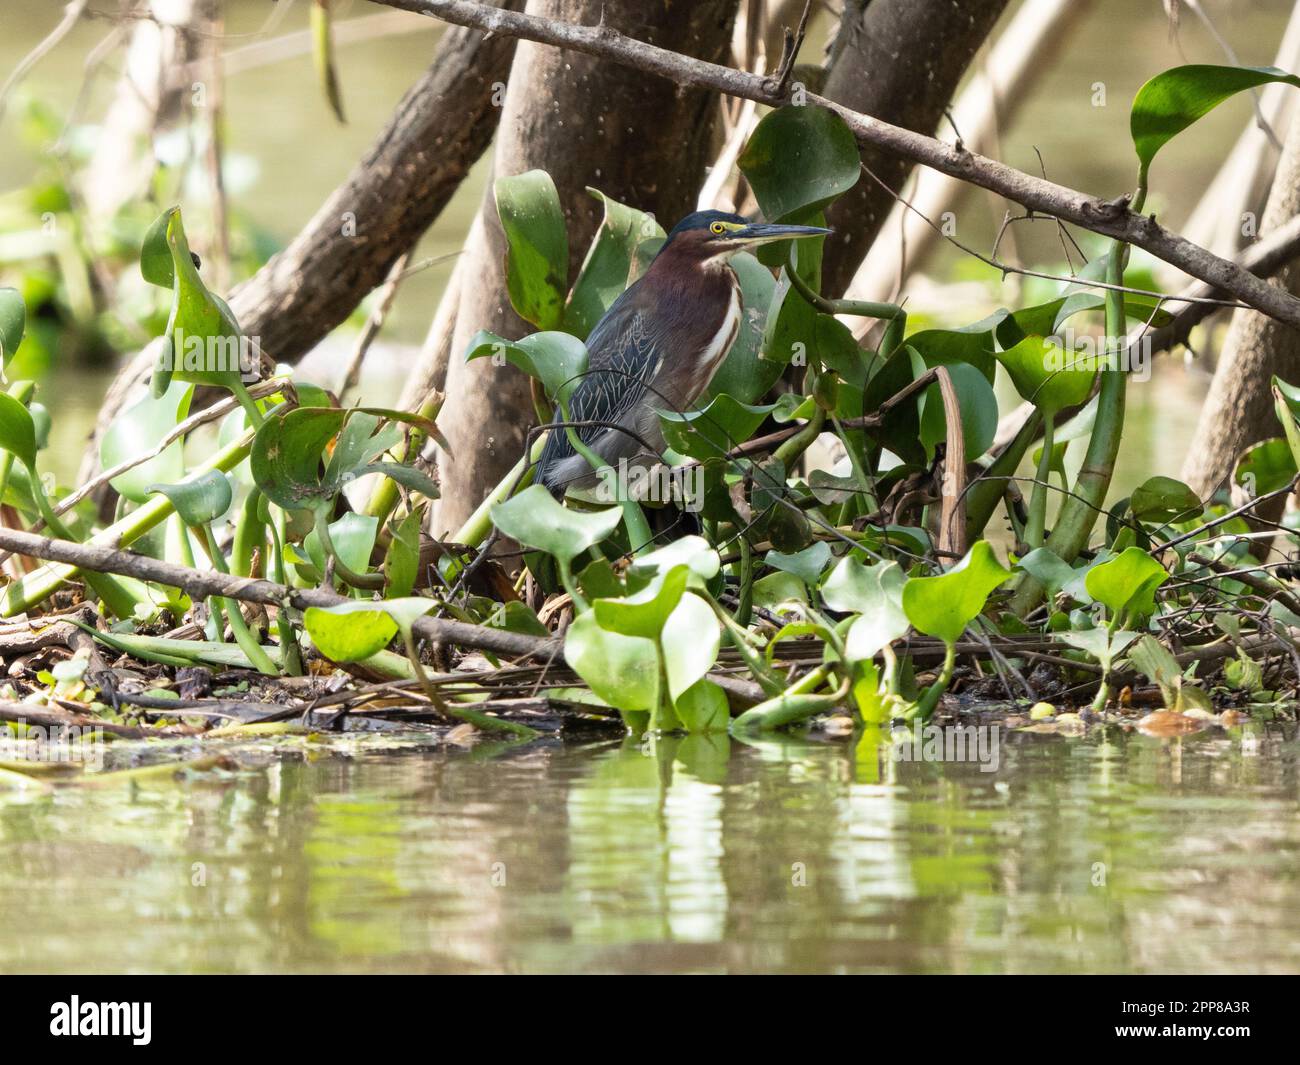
(701, 220)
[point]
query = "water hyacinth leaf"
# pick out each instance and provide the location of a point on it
(621, 670)
(690, 642)
(1164, 499)
(703, 708)
(744, 370)
(611, 264)
(201, 499)
(799, 159)
(807, 564)
(353, 536)
(537, 246)
(1047, 375)
(780, 592)
(713, 431)
(516, 617)
(536, 520)
(17, 431)
(972, 345)
(13, 322)
(1174, 99)
(694, 552)
(156, 254)
(137, 431)
(943, 606)
(853, 586)
(558, 360)
(1127, 582)
(359, 443)
(286, 456)
(1266, 467)
(349, 632)
(202, 341)
(646, 612)
(1048, 569)
(402, 560)
(1102, 644)
(979, 411)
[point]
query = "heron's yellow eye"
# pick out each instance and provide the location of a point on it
(718, 228)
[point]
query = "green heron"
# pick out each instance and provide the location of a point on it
(658, 345)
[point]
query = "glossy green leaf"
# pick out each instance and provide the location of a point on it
(402, 560)
(536, 520)
(13, 320)
(622, 670)
(690, 642)
(646, 612)
(617, 253)
(1127, 582)
(558, 360)
(979, 411)
(703, 708)
(876, 594)
(799, 159)
(202, 342)
(353, 631)
(199, 500)
(353, 536)
(287, 455)
(1047, 375)
(17, 431)
(943, 606)
(537, 247)
(807, 564)
(1174, 99)
(1104, 646)
(1164, 499)
(718, 428)
(694, 552)
(136, 431)
(1265, 467)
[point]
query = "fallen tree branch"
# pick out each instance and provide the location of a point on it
(1110, 218)
(203, 584)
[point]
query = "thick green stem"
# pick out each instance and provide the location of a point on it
(991, 486)
(384, 499)
(238, 626)
(290, 653)
(1082, 507)
(479, 524)
(925, 706)
(1038, 500)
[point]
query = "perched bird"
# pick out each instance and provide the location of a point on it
(658, 345)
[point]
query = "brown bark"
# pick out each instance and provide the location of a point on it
(640, 140)
(439, 129)
(1238, 411)
(899, 61)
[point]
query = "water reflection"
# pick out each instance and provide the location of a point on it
(1104, 853)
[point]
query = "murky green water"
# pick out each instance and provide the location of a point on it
(1115, 853)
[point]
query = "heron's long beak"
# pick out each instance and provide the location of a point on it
(765, 232)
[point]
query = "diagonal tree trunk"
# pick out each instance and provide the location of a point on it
(1238, 411)
(899, 61)
(439, 129)
(640, 140)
